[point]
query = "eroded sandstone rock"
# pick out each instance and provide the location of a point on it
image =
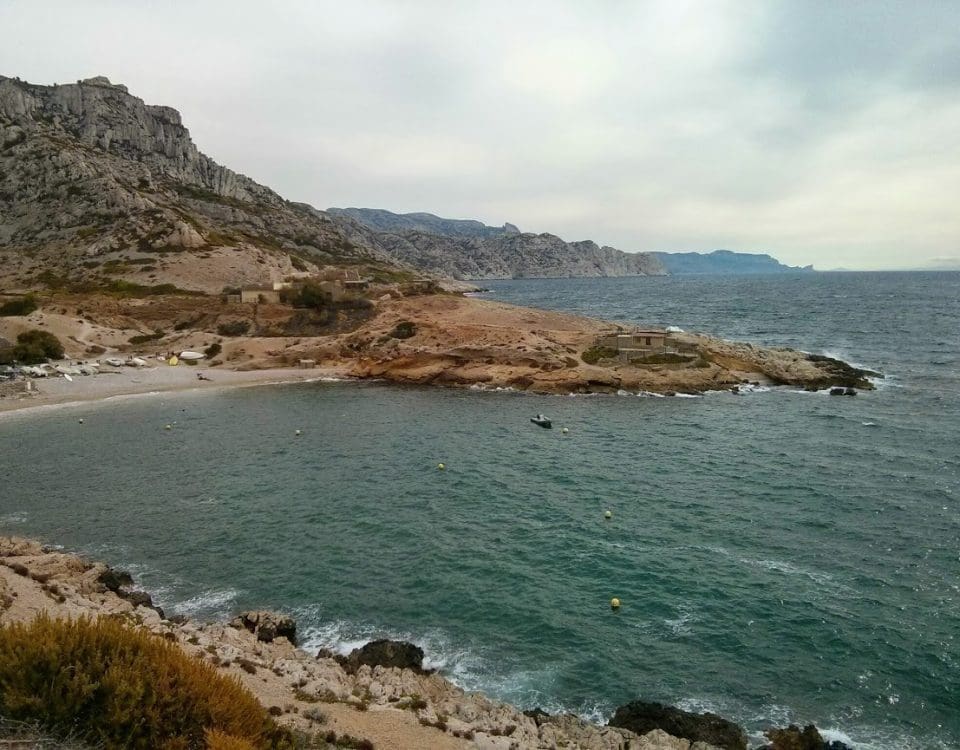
(267, 626)
(643, 717)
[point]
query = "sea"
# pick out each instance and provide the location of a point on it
(780, 556)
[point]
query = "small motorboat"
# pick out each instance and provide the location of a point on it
(542, 421)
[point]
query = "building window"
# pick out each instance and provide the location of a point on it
(648, 340)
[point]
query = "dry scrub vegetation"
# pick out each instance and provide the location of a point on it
(116, 687)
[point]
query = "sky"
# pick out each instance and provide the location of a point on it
(821, 132)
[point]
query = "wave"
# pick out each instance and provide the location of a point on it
(210, 604)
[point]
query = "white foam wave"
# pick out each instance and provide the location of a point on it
(787, 568)
(681, 625)
(211, 603)
(13, 518)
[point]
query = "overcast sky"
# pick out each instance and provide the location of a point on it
(820, 132)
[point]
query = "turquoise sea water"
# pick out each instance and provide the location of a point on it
(781, 556)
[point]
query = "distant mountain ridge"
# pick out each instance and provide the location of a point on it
(387, 221)
(466, 249)
(724, 262)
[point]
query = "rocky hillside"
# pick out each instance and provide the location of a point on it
(472, 250)
(96, 185)
(724, 262)
(387, 221)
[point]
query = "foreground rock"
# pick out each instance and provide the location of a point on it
(383, 653)
(642, 717)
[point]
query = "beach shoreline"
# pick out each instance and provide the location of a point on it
(148, 381)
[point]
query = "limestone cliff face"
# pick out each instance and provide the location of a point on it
(94, 183)
(472, 250)
(97, 186)
(389, 222)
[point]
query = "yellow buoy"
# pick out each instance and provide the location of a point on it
(564, 430)
(168, 427)
(441, 467)
(608, 514)
(614, 603)
(81, 421)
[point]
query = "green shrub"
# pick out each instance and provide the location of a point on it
(213, 350)
(404, 330)
(298, 264)
(144, 338)
(21, 306)
(183, 325)
(234, 328)
(309, 295)
(595, 353)
(36, 346)
(663, 358)
(125, 688)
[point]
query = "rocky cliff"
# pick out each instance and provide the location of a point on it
(387, 221)
(472, 250)
(96, 185)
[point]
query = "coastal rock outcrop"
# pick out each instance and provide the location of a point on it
(384, 653)
(267, 626)
(642, 717)
(120, 582)
(795, 738)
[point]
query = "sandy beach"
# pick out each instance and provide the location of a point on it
(162, 378)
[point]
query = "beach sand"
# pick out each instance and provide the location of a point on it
(158, 378)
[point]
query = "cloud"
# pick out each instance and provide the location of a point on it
(818, 131)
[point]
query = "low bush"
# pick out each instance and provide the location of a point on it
(145, 338)
(405, 329)
(234, 328)
(36, 346)
(213, 350)
(663, 358)
(124, 688)
(21, 306)
(595, 353)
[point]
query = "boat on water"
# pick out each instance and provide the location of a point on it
(542, 421)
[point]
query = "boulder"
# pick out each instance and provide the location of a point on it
(643, 717)
(384, 653)
(795, 738)
(267, 625)
(114, 580)
(537, 714)
(120, 582)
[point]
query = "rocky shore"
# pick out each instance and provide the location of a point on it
(379, 693)
(436, 339)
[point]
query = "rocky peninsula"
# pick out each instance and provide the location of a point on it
(431, 339)
(379, 693)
